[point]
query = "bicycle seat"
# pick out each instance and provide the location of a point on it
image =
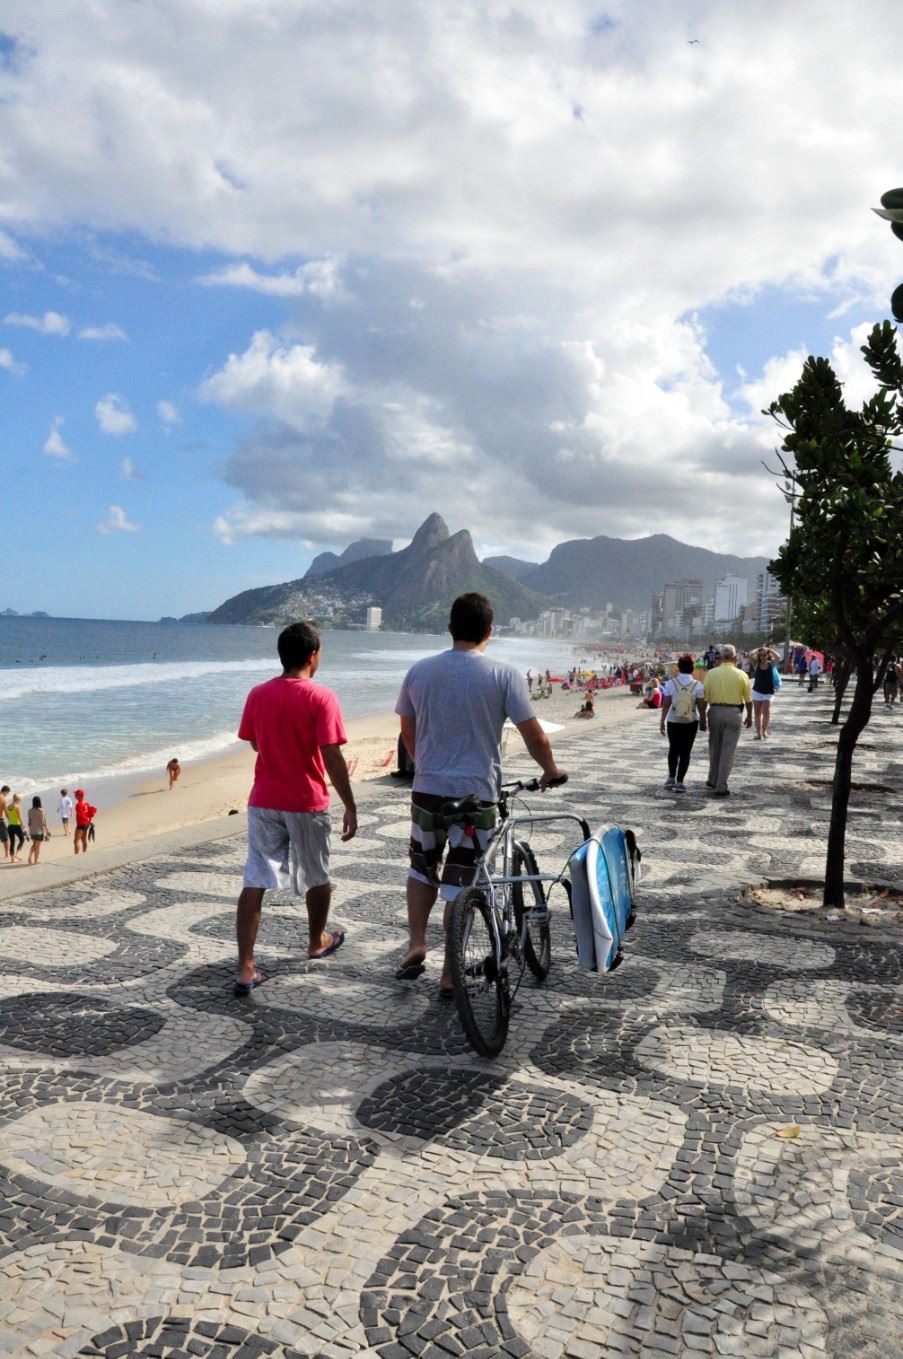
(461, 806)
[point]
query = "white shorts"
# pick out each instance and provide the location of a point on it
(287, 844)
(761, 698)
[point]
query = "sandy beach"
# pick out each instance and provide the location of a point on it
(137, 819)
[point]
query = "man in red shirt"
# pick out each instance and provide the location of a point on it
(297, 730)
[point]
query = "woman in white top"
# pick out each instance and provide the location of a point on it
(683, 714)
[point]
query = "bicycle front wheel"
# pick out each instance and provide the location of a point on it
(531, 913)
(477, 975)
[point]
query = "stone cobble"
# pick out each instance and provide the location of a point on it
(698, 1154)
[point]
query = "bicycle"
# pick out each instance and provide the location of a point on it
(496, 929)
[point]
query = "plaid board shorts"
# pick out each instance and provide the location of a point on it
(287, 845)
(429, 837)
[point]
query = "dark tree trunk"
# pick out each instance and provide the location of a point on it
(852, 729)
(841, 680)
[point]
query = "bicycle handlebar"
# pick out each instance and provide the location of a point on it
(531, 786)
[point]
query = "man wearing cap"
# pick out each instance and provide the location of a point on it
(727, 692)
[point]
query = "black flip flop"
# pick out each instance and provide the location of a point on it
(242, 989)
(410, 971)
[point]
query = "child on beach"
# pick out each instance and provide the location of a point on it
(37, 829)
(64, 809)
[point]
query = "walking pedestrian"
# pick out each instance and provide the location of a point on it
(683, 715)
(727, 692)
(16, 829)
(452, 708)
(37, 829)
(4, 822)
(64, 809)
(765, 684)
(297, 730)
(814, 672)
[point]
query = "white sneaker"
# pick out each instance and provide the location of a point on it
(669, 783)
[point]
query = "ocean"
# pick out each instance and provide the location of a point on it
(83, 700)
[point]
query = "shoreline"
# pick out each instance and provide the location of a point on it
(146, 815)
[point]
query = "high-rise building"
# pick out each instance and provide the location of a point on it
(374, 619)
(731, 594)
(771, 603)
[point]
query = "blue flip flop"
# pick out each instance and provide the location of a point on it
(338, 939)
(242, 989)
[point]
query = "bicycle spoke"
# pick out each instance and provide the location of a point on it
(479, 982)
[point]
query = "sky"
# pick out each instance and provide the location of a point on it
(279, 274)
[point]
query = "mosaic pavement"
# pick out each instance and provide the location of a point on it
(325, 1169)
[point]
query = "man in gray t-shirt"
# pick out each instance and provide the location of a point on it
(452, 709)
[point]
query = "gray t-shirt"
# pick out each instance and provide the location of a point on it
(459, 701)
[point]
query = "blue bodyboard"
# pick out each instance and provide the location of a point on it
(603, 887)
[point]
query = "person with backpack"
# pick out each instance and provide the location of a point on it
(682, 716)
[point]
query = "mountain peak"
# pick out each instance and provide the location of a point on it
(431, 533)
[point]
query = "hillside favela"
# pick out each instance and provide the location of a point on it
(451, 657)
(587, 589)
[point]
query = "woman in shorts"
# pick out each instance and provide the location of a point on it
(15, 828)
(765, 683)
(37, 829)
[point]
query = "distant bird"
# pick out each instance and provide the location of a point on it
(691, 42)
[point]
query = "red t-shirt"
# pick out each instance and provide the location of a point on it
(289, 720)
(84, 813)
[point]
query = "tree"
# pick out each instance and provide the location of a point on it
(844, 557)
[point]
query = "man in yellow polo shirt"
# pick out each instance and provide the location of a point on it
(727, 692)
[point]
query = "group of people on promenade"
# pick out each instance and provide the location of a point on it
(717, 705)
(451, 707)
(18, 824)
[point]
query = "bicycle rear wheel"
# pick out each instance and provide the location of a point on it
(531, 913)
(481, 994)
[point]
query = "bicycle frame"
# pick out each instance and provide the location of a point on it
(502, 843)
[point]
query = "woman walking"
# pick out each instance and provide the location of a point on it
(765, 684)
(683, 714)
(16, 830)
(37, 829)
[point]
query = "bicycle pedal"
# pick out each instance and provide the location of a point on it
(540, 915)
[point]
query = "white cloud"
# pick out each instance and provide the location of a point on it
(9, 363)
(512, 213)
(286, 381)
(55, 446)
(108, 331)
(243, 523)
(168, 414)
(316, 278)
(114, 416)
(116, 522)
(51, 323)
(129, 472)
(10, 250)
